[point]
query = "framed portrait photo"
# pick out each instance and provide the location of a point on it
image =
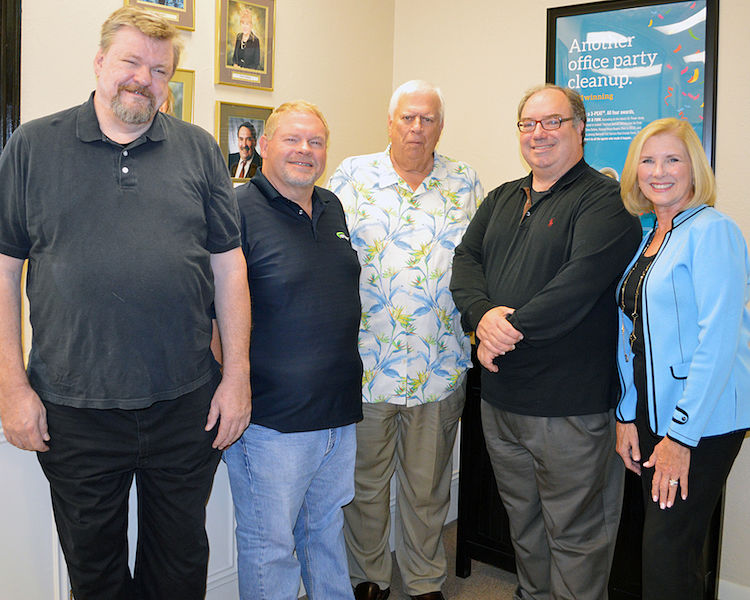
(180, 12)
(182, 86)
(245, 43)
(634, 61)
(238, 129)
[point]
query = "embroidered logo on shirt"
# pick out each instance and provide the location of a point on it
(342, 235)
(551, 221)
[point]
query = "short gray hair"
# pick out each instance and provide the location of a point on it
(416, 85)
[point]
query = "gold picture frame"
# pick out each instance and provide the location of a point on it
(245, 31)
(229, 118)
(182, 86)
(180, 13)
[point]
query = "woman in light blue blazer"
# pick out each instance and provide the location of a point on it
(683, 353)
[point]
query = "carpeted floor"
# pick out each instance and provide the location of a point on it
(484, 583)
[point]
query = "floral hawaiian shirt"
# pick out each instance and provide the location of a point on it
(410, 339)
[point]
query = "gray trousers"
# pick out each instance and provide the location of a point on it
(417, 443)
(561, 484)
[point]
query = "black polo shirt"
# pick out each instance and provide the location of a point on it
(305, 369)
(119, 240)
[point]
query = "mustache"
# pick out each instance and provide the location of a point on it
(138, 90)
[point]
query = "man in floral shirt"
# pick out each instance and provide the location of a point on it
(407, 209)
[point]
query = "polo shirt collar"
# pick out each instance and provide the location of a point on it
(570, 176)
(88, 130)
(388, 177)
(270, 193)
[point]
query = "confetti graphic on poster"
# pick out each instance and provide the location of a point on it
(631, 66)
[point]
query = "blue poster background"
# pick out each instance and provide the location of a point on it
(633, 66)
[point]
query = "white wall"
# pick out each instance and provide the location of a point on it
(484, 54)
(346, 56)
(329, 52)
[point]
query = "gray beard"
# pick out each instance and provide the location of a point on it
(133, 115)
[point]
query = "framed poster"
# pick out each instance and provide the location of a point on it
(634, 61)
(245, 42)
(181, 87)
(238, 129)
(180, 12)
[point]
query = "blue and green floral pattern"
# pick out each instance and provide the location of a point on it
(410, 338)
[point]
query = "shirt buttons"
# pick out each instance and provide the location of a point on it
(124, 152)
(301, 211)
(125, 170)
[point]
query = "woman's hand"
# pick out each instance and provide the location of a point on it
(671, 462)
(627, 446)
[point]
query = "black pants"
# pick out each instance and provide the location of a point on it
(90, 465)
(673, 538)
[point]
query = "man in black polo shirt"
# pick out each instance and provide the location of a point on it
(534, 275)
(127, 250)
(293, 468)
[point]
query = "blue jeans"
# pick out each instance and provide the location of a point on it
(288, 490)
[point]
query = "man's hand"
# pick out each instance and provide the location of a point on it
(627, 446)
(231, 407)
(486, 356)
(496, 332)
(25, 420)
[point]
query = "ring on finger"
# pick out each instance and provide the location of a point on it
(674, 481)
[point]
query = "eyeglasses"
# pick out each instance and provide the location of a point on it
(548, 123)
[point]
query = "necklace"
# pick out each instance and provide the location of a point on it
(638, 288)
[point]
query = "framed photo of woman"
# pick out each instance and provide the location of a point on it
(245, 43)
(180, 12)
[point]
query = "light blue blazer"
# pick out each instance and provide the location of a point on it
(696, 331)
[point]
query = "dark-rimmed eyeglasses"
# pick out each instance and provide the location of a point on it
(548, 123)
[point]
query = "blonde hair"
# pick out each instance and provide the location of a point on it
(148, 23)
(246, 15)
(294, 106)
(704, 182)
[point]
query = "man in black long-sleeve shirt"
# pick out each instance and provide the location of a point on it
(534, 276)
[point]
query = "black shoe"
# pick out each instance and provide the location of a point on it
(429, 596)
(367, 590)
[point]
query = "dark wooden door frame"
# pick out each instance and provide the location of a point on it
(10, 68)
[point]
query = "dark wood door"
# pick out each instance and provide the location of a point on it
(483, 533)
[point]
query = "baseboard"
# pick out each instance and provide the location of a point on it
(733, 591)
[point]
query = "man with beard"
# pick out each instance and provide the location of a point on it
(244, 163)
(127, 250)
(293, 468)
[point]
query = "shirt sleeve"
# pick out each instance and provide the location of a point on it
(720, 279)
(222, 213)
(468, 284)
(14, 163)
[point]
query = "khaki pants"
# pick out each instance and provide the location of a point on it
(417, 443)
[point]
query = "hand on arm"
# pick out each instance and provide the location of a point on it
(231, 404)
(627, 446)
(496, 332)
(671, 462)
(21, 411)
